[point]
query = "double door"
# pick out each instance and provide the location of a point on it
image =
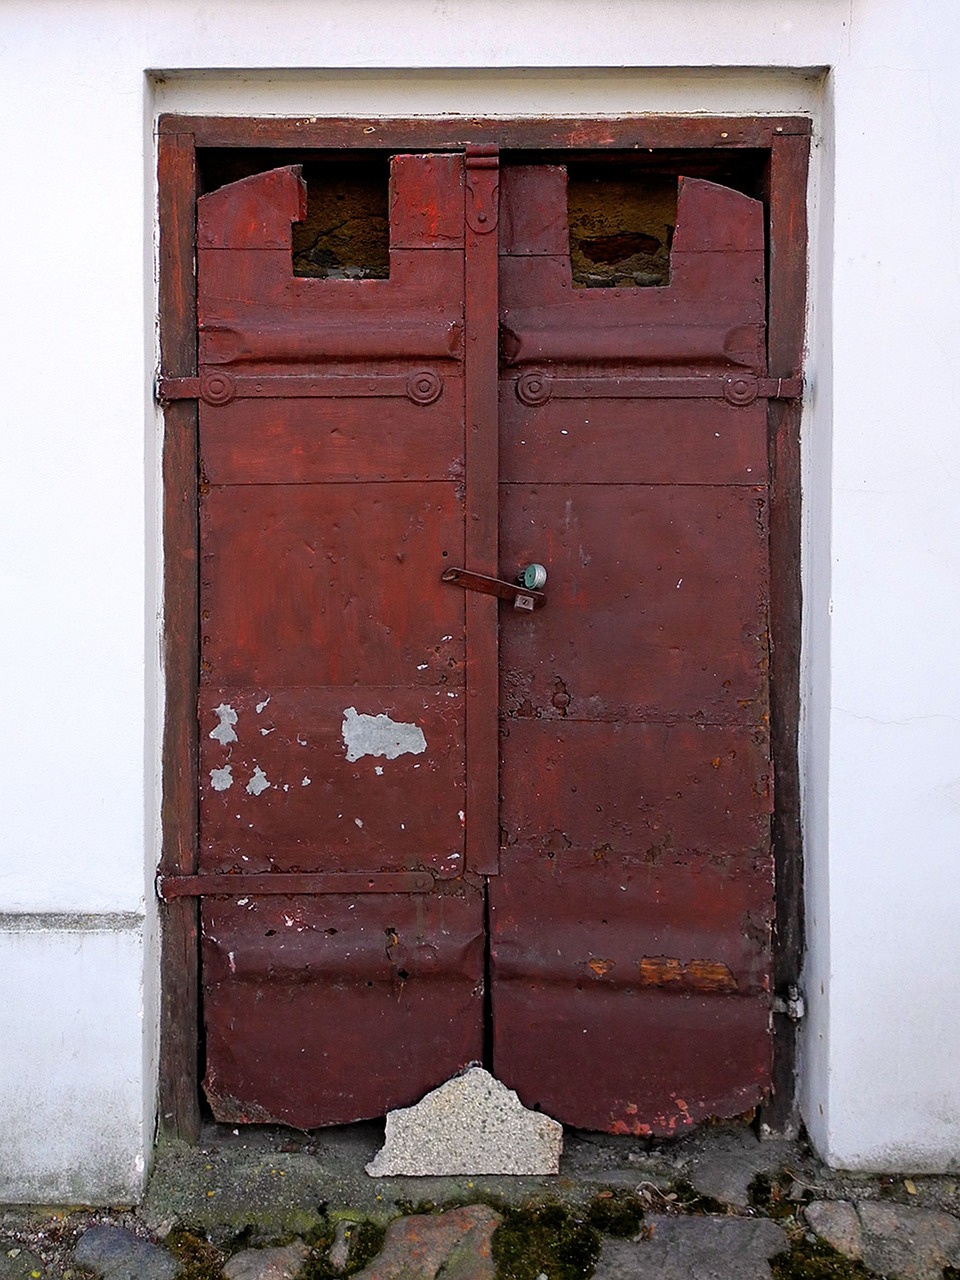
(445, 817)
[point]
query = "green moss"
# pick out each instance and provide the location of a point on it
(615, 1213)
(549, 1239)
(767, 1194)
(198, 1258)
(365, 1238)
(689, 1200)
(816, 1260)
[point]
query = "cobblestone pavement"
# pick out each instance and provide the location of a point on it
(269, 1204)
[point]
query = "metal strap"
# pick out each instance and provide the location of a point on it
(271, 883)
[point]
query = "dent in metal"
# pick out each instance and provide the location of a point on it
(380, 736)
(224, 732)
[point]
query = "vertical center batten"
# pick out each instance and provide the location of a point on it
(481, 367)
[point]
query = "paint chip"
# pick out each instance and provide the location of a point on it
(258, 782)
(378, 770)
(365, 735)
(261, 705)
(224, 732)
(358, 822)
(305, 782)
(222, 779)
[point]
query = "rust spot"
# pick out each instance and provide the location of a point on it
(695, 975)
(600, 967)
(561, 697)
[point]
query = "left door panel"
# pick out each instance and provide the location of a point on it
(331, 700)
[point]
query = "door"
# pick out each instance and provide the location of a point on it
(524, 828)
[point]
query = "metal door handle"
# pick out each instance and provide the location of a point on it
(518, 593)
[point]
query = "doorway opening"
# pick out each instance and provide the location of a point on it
(626, 316)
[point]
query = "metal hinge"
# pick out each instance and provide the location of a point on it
(790, 1002)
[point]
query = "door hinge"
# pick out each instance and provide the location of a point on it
(790, 1002)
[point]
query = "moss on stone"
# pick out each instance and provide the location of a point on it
(366, 1241)
(198, 1258)
(816, 1260)
(615, 1213)
(545, 1239)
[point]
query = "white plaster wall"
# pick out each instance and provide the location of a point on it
(71, 1065)
(79, 84)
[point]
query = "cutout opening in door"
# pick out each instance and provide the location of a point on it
(346, 233)
(621, 227)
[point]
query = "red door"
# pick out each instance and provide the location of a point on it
(352, 700)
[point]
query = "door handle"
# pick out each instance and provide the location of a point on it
(521, 596)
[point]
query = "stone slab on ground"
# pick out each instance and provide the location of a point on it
(471, 1125)
(895, 1240)
(17, 1263)
(837, 1222)
(282, 1263)
(724, 1164)
(455, 1245)
(118, 1254)
(694, 1249)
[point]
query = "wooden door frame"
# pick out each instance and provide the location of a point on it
(785, 140)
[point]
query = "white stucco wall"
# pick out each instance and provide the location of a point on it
(79, 87)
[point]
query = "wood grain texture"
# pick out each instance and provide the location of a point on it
(179, 1021)
(787, 315)
(456, 133)
(481, 552)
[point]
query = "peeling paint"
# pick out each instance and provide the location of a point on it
(305, 781)
(222, 779)
(380, 736)
(261, 705)
(224, 732)
(258, 782)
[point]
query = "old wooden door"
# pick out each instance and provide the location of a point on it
(456, 829)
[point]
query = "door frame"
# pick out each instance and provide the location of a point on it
(785, 142)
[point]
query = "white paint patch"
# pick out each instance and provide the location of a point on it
(259, 782)
(305, 781)
(378, 770)
(380, 736)
(358, 821)
(261, 705)
(222, 779)
(224, 732)
(266, 731)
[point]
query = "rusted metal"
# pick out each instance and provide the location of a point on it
(633, 901)
(481, 360)
(536, 387)
(338, 924)
(511, 591)
(274, 883)
(631, 921)
(295, 449)
(423, 386)
(321, 1009)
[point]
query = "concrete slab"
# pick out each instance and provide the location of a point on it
(472, 1125)
(681, 1248)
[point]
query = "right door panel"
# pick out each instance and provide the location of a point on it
(630, 924)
